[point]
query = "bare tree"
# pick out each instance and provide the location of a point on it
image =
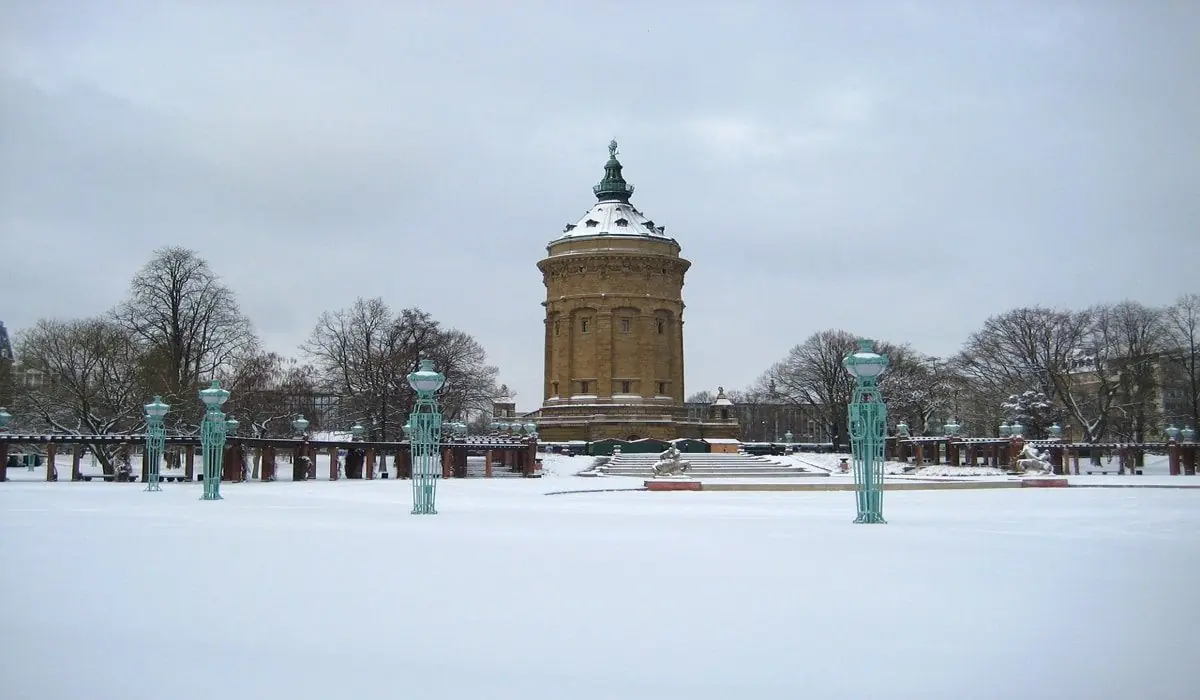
(264, 387)
(922, 391)
(1065, 355)
(366, 352)
(812, 375)
(1136, 338)
(1182, 323)
(92, 380)
(188, 321)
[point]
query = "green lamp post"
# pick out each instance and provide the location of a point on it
(425, 423)
(902, 429)
(212, 439)
(156, 438)
(1172, 432)
(356, 431)
(1186, 434)
(1017, 429)
(1005, 430)
(1055, 431)
(868, 429)
(952, 427)
(5, 417)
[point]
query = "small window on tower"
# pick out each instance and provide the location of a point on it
(584, 386)
(583, 325)
(662, 388)
(622, 222)
(625, 323)
(592, 223)
(556, 327)
(624, 387)
(554, 388)
(662, 326)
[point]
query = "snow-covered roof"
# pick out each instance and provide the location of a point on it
(722, 399)
(614, 218)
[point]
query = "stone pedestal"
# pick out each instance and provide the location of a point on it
(1042, 482)
(669, 484)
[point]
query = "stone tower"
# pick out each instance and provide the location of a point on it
(614, 324)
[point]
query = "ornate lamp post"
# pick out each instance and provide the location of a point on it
(1017, 429)
(951, 428)
(156, 438)
(1005, 430)
(868, 428)
(300, 425)
(902, 429)
(531, 429)
(426, 425)
(1055, 431)
(1187, 434)
(356, 431)
(1172, 432)
(212, 439)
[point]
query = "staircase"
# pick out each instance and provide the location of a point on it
(707, 466)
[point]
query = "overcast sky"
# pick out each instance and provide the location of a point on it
(897, 169)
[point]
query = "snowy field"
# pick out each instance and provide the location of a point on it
(332, 590)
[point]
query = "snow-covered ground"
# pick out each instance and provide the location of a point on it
(332, 590)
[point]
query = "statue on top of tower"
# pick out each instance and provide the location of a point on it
(612, 148)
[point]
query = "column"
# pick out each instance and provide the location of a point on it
(368, 466)
(1173, 458)
(76, 458)
(487, 464)
(3, 461)
(189, 463)
(677, 375)
(647, 335)
(604, 353)
(333, 463)
(145, 465)
(51, 467)
(404, 463)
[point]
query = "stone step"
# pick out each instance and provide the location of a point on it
(723, 474)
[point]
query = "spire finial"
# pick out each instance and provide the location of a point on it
(613, 186)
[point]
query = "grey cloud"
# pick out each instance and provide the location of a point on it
(900, 169)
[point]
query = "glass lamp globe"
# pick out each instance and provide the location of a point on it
(408, 429)
(300, 424)
(1172, 432)
(531, 427)
(231, 425)
(1017, 429)
(1005, 429)
(214, 396)
(1186, 434)
(1055, 431)
(788, 437)
(356, 430)
(156, 408)
(5, 416)
(426, 380)
(865, 363)
(902, 429)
